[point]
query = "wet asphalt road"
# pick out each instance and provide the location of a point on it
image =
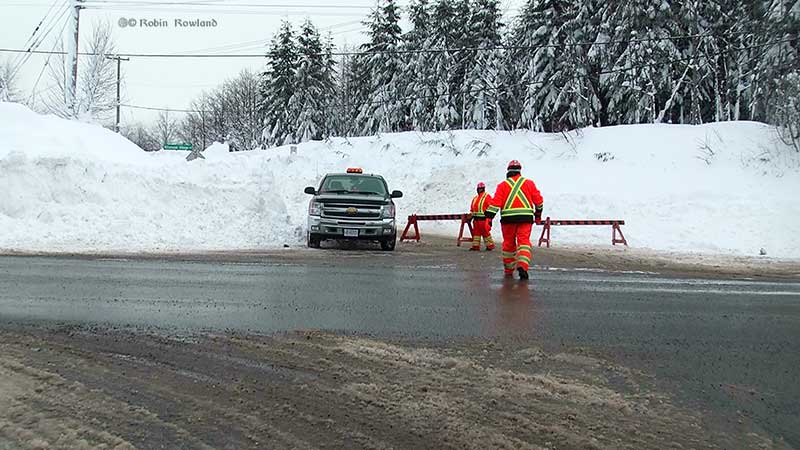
(725, 345)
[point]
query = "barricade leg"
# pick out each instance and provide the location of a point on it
(465, 221)
(545, 237)
(412, 221)
(614, 230)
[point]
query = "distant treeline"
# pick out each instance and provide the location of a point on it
(558, 65)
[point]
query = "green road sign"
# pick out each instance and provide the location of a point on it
(177, 146)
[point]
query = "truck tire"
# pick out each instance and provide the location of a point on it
(312, 241)
(388, 245)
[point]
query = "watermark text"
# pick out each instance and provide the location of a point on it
(133, 22)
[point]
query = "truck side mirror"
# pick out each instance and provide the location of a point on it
(396, 194)
(310, 191)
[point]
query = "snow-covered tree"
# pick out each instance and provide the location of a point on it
(485, 77)
(96, 95)
(463, 58)
(589, 61)
(539, 33)
(8, 92)
(329, 78)
(777, 90)
(443, 39)
(98, 75)
(648, 72)
(418, 75)
(229, 113)
(350, 93)
(242, 116)
(314, 87)
(141, 135)
(278, 87)
(383, 110)
(167, 128)
(570, 63)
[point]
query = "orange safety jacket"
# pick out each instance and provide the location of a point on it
(517, 199)
(479, 205)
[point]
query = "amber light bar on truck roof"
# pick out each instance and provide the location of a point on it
(355, 170)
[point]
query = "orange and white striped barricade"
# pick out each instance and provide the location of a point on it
(615, 229)
(414, 219)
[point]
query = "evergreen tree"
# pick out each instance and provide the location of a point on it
(351, 93)
(486, 77)
(418, 75)
(443, 39)
(383, 110)
(722, 29)
(778, 87)
(587, 91)
(540, 60)
(279, 87)
(313, 86)
(573, 63)
(766, 54)
(649, 72)
(329, 76)
(463, 37)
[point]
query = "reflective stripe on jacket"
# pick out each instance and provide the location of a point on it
(516, 199)
(479, 205)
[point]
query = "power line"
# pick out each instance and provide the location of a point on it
(37, 42)
(41, 22)
(228, 7)
(401, 51)
(152, 108)
(261, 43)
(513, 85)
(46, 63)
(169, 86)
(168, 5)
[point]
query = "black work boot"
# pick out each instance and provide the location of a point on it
(523, 274)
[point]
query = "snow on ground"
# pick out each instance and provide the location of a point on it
(726, 188)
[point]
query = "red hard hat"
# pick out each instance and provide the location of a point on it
(514, 165)
(481, 185)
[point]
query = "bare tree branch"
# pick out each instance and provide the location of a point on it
(8, 92)
(97, 78)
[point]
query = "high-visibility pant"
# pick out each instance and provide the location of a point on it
(480, 229)
(517, 250)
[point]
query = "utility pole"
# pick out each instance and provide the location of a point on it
(119, 60)
(72, 51)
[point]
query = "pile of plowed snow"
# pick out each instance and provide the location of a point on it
(68, 186)
(718, 188)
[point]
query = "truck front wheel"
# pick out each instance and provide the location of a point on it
(388, 245)
(313, 241)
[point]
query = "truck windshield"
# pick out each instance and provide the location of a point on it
(353, 184)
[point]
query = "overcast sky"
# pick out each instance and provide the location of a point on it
(242, 26)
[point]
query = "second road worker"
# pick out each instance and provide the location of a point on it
(481, 227)
(520, 204)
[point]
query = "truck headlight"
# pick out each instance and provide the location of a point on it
(314, 208)
(388, 212)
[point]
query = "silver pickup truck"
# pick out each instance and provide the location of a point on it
(352, 206)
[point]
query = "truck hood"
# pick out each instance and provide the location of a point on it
(353, 199)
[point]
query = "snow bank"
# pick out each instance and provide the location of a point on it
(68, 186)
(719, 188)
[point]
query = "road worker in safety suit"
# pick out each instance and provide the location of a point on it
(481, 227)
(519, 203)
